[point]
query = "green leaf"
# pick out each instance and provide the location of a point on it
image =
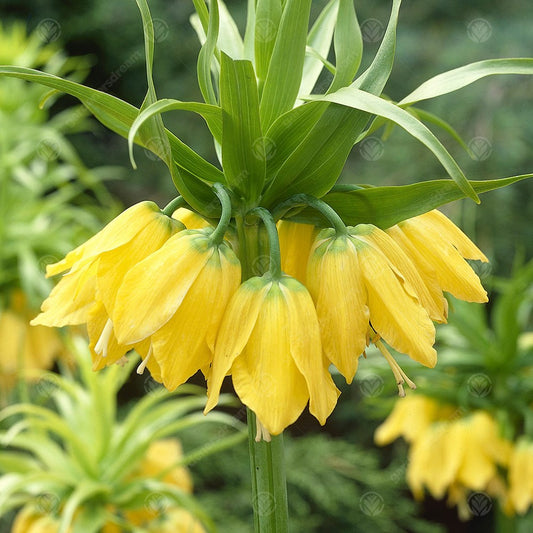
(375, 77)
(386, 206)
(348, 45)
(249, 34)
(207, 55)
(211, 114)
(319, 41)
(318, 159)
(458, 78)
(283, 80)
(118, 116)
(243, 151)
(351, 97)
(229, 38)
(267, 21)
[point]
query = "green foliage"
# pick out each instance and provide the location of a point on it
(46, 191)
(84, 458)
(333, 485)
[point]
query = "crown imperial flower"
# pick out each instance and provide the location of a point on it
(274, 357)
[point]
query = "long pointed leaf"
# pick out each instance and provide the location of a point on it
(207, 55)
(386, 206)
(348, 45)
(351, 97)
(458, 78)
(267, 20)
(243, 152)
(211, 114)
(282, 82)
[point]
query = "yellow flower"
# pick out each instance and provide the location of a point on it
(364, 277)
(438, 247)
(176, 297)
(295, 242)
(410, 418)
(189, 218)
(466, 451)
(87, 292)
(269, 341)
(520, 493)
(24, 348)
(31, 520)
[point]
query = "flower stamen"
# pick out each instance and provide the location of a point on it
(400, 376)
(102, 345)
(144, 362)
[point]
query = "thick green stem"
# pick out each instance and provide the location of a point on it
(169, 209)
(269, 488)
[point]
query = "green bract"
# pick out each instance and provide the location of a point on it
(273, 135)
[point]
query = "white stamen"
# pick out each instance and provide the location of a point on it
(262, 432)
(399, 374)
(103, 342)
(144, 362)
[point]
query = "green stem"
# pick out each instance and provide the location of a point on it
(218, 235)
(269, 489)
(273, 240)
(173, 205)
(322, 207)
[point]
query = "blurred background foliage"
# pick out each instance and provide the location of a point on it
(333, 469)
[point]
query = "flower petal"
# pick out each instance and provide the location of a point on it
(237, 325)
(336, 285)
(265, 376)
(305, 349)
(154, 288)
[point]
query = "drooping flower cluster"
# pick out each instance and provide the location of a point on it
(175, 296)
(457, 454)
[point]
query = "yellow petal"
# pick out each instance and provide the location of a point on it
(520, 475)
(154, 288)
(180, 346)
(295, 241)
(265, 376)
(426, 271)
(71, 299)
(394, 314)
(113, 265)
(306, 351)
(118, 232)
(406, 271)
(453, 273)
(189, 218)
(335, 282)
(410, 418)
(237, 324)
(450, 232)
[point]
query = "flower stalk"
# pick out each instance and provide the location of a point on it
(267, 466)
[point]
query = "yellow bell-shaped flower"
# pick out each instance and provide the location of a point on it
(189, 218)
(438, 248)
(176, 298)
(362, 277)
(87, 292)
(269, 341)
